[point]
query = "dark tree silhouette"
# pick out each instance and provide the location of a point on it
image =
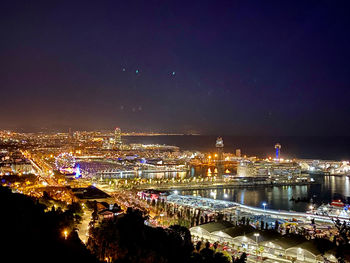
(33, 235)
(198, 246)
(128, 239)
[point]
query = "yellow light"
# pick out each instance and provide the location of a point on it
(65, 233)
(209, 156)
(216, 155)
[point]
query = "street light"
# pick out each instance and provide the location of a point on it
(65, 233)
(264, 204)
(161, 218)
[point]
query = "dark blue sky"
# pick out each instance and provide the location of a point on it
(240, 67)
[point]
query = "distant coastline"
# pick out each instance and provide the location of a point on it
(293, 147)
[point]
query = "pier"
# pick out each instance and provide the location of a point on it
(219, 184)
(236, 208)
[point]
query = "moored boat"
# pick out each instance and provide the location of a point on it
(336, 209)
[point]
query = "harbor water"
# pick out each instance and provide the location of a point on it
(327, 189)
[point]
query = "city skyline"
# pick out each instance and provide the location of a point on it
(238, 68)
(175, 131)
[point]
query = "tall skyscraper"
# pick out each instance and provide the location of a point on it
(238, 152)
(70, 134)
(118, 136)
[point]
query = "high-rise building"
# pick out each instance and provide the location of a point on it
(70, 134)
(118, 136)
(238, 152)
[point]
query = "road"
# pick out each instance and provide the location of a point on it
(83, 227)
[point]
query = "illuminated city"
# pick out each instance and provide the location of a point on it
(209, 132)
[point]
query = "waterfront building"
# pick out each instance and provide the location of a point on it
(275, 171)
(248, 169)
(268, 243)
(91, 193)
(118, 136)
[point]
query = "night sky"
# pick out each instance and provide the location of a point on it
(213, 67)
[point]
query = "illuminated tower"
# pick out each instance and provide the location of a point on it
(278, 149)
(219, 146)
(118, 136)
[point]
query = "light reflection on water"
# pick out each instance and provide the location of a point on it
(278, 197)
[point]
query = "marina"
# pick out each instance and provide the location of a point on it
(324, 191)
(227, 207)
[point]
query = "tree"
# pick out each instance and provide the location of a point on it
(95, 212)
(343, 229)
(192, 221)
(220, 257)
(207, 253)
(26, 218)
(206, 218)
(262, 225)
(342, 237)
(219, 217)
(242, 259)
(128, 239)
(198, 246)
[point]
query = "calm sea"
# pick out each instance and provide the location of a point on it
(279, 197)
(326, 148)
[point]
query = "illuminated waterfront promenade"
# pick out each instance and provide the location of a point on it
(217, 184)
(236, 208)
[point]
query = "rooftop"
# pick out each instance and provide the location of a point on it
(90, 192)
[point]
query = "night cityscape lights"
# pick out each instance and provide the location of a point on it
(79, 168)
(175, 131)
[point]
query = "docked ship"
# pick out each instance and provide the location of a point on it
(336, 209)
